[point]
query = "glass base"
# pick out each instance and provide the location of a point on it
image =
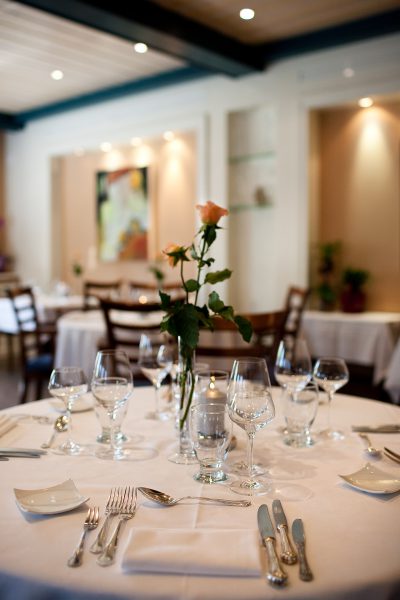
(104, 437)
(112, 454)
(183, 458)
(210, 477)
(331, 434)
(254, 487)
(241, 468)
(299, 442)
(158, 416)
(70, 448)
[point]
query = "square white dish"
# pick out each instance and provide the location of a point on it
(50, 501)
(373, 480)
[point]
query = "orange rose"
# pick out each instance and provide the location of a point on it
(211, 213)
(170, 252)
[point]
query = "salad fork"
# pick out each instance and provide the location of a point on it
(91, 522)
(126, 512)
(113, 505)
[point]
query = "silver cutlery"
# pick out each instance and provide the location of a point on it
(22, 452)
(391, 454)
(126, 512)
(114, 504)
(275, 572)
(370, 450)
(389, 428)
(166, 500)
(91, 522)
(60, 424)
(299, 539)
(288, 555)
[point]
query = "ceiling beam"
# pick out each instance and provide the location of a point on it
(160, 29)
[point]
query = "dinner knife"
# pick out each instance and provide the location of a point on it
(25, 452)
(288, 555)
(299, 540)
(390, 428)
(275, 573)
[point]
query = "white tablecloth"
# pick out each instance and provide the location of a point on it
(353, 538)
(392, 380)
(362, 338)
(79, 332)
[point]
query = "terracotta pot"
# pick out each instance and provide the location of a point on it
(353, 301)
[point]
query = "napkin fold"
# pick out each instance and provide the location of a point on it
(6, 425)
(212, 552)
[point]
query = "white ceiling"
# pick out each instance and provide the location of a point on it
(34, 42)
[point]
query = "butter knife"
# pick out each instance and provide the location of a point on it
(24, 452)
(275, 573)
(390, 428)
(299, 540)
(288, 555)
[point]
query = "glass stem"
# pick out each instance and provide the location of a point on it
(157, 398)
(68, 415)
(250, 455)
(113, 447)
(330, 398)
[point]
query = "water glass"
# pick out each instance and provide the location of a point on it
(300, 411)
(210, 433)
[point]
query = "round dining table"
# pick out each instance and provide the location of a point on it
(352, 536)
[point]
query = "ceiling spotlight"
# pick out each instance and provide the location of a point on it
(348, 72)
(57, 74)
(168, 136)
(105, 147)
(247, 14)
(136, 141)
(140, 48)
(365, 102)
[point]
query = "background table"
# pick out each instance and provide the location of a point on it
(367, 338)
(392, 379)
(353, 538)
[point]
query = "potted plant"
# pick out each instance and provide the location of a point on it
(353, 296)
(326, 289)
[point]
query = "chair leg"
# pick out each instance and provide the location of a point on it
(38, 389)
(23, 390)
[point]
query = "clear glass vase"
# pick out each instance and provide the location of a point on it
(185, 454)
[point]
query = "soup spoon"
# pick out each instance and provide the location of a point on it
(167, 500)
(370, 449)
(60, 424)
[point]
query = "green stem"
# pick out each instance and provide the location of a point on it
(202, 253)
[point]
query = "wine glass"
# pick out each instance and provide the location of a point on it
(112, 385)
(330, 374)
(251, 407)
(155, 362)
(293, 368)
(67, 384)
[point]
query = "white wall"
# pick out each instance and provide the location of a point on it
(278, 256)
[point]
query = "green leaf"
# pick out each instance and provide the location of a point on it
(165, 300)
(209, 234)
(215, 303)
(245, 327)
(217, 276)
(186, 324)
(191, 285)
(227, 313)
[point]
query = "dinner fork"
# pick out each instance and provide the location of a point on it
(126, 512)
(91, 522)
(112, 508)
(391, 454)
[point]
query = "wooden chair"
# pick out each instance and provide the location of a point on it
(125, 322)
(8, 280)
(94, 290)
(36, 341)
(220, 347)
(296, 300)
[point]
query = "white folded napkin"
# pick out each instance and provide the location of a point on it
(233, 552)
(6, 424)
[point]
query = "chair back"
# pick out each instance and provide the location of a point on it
(36, 339)
(296, 300)
(125, 322)
(94, 290)
(220, 347)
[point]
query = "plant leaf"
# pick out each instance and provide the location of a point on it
(191, 285)
(217, 276)
(215, 303)
(245, 327)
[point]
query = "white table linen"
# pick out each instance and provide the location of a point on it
(353, 538)
(79, 332)
(367, 338)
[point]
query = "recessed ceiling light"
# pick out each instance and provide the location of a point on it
(168, 136)
(105, 147)
(57, 74)
(140, 48)
(136, 141)
(247, 14)
(348, 72)
(365, 102)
